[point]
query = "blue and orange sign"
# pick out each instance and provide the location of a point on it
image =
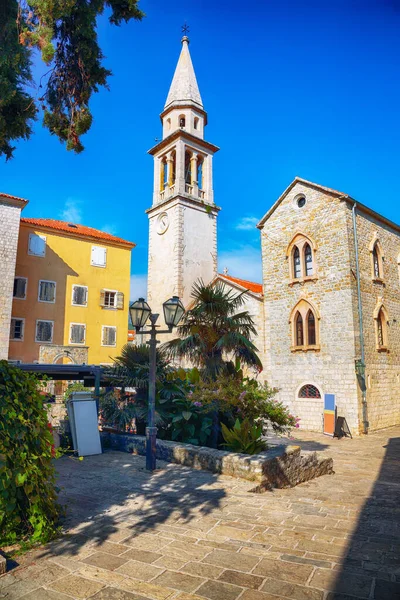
(329, 414)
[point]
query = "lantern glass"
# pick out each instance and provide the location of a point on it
(173, 311)
(139, 312)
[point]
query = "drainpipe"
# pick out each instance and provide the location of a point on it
(361, 370)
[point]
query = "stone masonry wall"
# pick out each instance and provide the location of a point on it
(9, 231)
(331, 368)
(382, 368)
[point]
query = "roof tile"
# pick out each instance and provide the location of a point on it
(250, 285)
(75, 229)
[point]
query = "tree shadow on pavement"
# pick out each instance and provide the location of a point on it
(111, 497)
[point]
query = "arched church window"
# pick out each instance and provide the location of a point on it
(163, 173)
(299, 330)
(196, 122)
(188, 168)
(375, 258)
(312, 338)
(308, 260)
(304, 324)
(182, 121)
(380, 328)
(168, 123)
(200, 172)
(296, 263)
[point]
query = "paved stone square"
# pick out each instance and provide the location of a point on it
(192, 535)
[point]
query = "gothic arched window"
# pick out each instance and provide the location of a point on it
(296, 263)
(301, 254)
(381, 328)
(312, 339)
(304, 323)
(299, 330)
(308, 259)
(375, 258)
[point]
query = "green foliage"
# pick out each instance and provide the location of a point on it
(189, 423)
(65, 33)
(237, 397)
(28, 504)
(244, 438)
(17, 107)
(213, 330)
(77, 386)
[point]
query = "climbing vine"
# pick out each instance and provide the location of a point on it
(28, 495)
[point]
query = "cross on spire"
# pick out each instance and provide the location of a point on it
(185, 28)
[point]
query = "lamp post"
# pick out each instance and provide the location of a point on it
(140, 312)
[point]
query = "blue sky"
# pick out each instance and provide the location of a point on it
(291, 88)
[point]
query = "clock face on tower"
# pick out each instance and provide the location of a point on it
(162, 223)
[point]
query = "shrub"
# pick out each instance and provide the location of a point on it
(28, 496)
(233, 397)
(244, 438)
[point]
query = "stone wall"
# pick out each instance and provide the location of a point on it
(382, 367)
(55, 353)
(10, 212)
(331, 367)
(281, 466)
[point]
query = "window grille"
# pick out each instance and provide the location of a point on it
(309, 391)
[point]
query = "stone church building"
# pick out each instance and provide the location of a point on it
(328, 309)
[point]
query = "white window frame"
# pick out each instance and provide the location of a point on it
(26, 287)
(21, 339)
(94, 264)
(43, 237)
(70, 334)
(55, 291)
(52, 331)
(115, 292)
(74, 285)
(102, 335)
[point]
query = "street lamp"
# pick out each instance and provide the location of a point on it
(140, 312)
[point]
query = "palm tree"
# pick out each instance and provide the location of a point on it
(214, 329)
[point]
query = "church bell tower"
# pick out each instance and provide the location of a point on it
(183, 216)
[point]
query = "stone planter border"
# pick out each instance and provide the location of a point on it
(280, 466)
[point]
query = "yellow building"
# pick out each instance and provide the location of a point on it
(71, 294)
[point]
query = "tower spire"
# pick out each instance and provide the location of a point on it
(184, 89)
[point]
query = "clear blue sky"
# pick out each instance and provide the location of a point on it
(291, 88)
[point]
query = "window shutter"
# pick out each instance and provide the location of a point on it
(77, 334)
(120, 300)
(112, 336)
(99, 256)
(102, 298)
(37, 244)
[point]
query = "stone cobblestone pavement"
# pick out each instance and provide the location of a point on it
(191, 535)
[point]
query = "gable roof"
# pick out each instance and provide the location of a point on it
(296, 180)
(74, 230)
(250, 286)
(341, 195)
